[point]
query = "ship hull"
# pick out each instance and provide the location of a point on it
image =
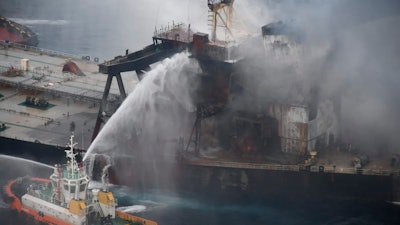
(221, 183)
(12, 32)
(44, 153)
(207, 180)
(270, 184)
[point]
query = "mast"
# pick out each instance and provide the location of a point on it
(71, 155)
(70, 180)
(221, 16)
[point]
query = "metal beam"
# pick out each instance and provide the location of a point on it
(100, 117)
(139, 63)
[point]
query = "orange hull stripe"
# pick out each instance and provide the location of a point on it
(16, 204)
(132, 218)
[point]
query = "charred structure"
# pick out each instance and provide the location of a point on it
(253, 136)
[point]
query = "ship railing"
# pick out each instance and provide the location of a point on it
(262, 166)
(78, 97)
(71, 77)
(13, 111)
(40, 74)
(352, 170)
(39, 50)
(168, 28)
(296, 168)
(39, 194)
(69, 174)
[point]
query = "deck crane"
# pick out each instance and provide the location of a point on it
(221, 16)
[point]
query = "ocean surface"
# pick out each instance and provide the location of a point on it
(186, 208)
(105, 29)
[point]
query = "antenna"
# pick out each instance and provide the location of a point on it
(70, 153)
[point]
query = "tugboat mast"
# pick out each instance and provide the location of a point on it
(70, 153)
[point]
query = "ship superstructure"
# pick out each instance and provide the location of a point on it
(65, 198)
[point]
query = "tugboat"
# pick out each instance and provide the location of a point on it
(64, 198)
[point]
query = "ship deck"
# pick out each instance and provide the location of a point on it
(73, 99)
(328, 161)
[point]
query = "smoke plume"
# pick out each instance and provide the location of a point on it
(347, 62)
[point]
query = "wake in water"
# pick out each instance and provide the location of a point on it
(132, 209)
(3, 205)
(39, 22)
(184, 208)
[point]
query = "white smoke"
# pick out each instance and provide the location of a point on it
(157, 110)
(349, 59)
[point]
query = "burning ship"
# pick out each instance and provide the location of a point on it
(267, 146)
(64, 198)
